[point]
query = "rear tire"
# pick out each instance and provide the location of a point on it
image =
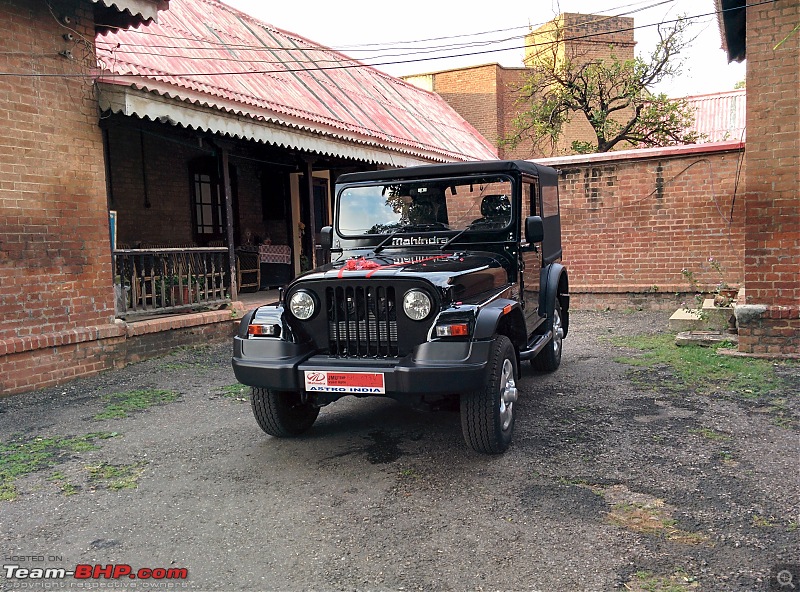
(282, 413)
(488, 413)
(549, 359)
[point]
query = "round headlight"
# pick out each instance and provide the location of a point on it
(302, 305)
(416, 305)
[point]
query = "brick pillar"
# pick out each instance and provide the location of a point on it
(769, 321)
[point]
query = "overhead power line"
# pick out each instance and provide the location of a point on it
(351, 63)
(211, 44)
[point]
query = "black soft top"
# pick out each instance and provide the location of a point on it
(547, 175)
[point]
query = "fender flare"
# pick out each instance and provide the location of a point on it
(555, 284)
(245, 322)
(501, 316)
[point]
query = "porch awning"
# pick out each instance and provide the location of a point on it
(732, 20)
(197, 111)
(144, 9)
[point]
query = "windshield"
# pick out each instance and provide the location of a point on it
(479, 203)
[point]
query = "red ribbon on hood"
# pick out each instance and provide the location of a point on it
(361, 263)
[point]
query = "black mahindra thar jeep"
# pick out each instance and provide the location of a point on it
(443, 279)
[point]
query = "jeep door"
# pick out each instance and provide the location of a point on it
(531, 255)
(551, 216)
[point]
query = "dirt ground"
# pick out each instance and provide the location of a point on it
(618, 479)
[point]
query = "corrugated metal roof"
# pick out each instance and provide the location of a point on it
(720, 116)
(144, 9)
(203, 48)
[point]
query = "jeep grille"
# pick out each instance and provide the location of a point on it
(362, 321)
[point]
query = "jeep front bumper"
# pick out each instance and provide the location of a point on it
(433, 368)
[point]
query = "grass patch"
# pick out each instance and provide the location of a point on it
(119, 405)
(759, 521)
(646, 581)
(116, 477)
(409, 474)
(66, 487)
(701, 368)
(23, 457)
(710, 434)
(237, 391)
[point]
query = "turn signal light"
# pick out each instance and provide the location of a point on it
(264, 330)
(456, 330)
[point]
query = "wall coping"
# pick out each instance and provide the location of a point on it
(15, 345)
(642, 154)
(119, 328)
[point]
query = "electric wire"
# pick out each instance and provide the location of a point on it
(211, 44)
(337, 65)
(415, 51)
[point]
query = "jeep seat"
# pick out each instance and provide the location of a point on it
(495, 211)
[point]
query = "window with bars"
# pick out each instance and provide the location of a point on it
(208, 206)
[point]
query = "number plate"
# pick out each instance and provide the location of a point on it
(345, 382)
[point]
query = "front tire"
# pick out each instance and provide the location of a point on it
(549, 359)
(488, 413)
(282, 414)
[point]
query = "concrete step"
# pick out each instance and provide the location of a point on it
(707, 318)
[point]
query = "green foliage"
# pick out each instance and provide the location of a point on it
(646, 581)
(116, 477)
(23, 457)
(119, 405)
(710, 434)
(611, 94)
(238, 392)
(702, 368)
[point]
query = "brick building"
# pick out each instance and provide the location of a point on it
(769, 322)
(55, 263)
(191, 160)
(487, 95)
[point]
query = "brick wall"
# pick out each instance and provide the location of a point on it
(487, 96)
(633, 220)
(55, 260)
(581, 37)
(473, 93)
(772, 200)
(56, 286)
(511, 80)
(49, 359)
(150, 184)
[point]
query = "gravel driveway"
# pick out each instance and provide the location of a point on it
(617, 480)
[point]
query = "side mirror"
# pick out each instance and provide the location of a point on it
(326, 237)
(534, 229)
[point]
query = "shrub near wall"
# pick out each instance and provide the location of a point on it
(633, 220)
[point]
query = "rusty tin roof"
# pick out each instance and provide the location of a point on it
(213, 56)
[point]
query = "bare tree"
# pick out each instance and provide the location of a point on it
(613, 95)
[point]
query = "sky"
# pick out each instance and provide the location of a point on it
(381, 34)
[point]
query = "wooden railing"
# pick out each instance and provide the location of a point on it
(150, 281)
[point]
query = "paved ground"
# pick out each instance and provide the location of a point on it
(615, 480)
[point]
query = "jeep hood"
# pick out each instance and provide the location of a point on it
(463, 275)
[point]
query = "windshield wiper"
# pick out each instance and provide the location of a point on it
(455, 237)
(381, 245)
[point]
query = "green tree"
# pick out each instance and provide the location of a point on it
(611, 94)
